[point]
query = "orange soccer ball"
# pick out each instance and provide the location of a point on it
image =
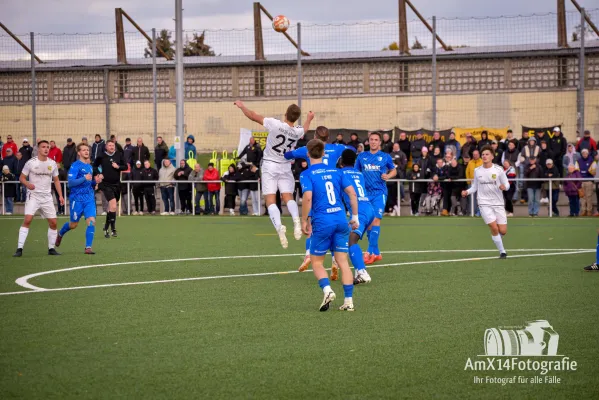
(280, 23)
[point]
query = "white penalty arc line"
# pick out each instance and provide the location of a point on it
(24, 280)
(39, 290)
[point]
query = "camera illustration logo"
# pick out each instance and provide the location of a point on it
(536, 338)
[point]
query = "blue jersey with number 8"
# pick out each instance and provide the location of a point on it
(327, 185)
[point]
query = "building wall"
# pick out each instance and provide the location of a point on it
(216, 124)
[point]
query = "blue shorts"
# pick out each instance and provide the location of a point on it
(378, 204)
(365, 216)
(80, 208)
(333, 237)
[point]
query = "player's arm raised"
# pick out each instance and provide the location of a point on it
(252, 115)
(309, 119)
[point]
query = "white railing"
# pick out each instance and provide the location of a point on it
(399, 182)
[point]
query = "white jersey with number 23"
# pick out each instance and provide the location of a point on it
(281, 138)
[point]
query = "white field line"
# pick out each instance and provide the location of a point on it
(24, 281)
(38, 290)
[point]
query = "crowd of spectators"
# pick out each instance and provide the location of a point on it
(436, 172)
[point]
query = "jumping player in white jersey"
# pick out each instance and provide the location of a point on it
(489, 183)
(276, 170)
(41, 171)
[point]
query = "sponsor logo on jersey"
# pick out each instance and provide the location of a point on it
(371, 167)
(334, 209)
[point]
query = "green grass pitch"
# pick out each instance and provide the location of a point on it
(259, 334)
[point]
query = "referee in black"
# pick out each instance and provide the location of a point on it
(108, 167)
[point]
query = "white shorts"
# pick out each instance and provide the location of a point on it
(277, 176)
(493, 214)
(45, 205)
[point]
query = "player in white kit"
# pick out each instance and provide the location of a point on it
(489, 184)
(41, 171)
(276, 170)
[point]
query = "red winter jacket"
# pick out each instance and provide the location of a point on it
(212, 176)
(55, 154)
(11, 145)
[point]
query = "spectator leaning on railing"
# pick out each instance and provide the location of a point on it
(551, 172)
(508, 195)
(533, 188)
(201, 190)
(573, 190)
(150, 175)
(182, 175)
(416, 188)
(166, 175)
(441, 174)
(231, 191)
(457, 173)
(558, 146)
(138, 188)
(10, 189)
(211, 174)
(416, 148)
(587, 168)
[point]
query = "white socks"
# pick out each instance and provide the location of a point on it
(275, 216)
(498, 243)
(51, 237)
(327, 289)
(293, 210)
(23, 232)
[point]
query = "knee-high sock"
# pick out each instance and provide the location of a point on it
(23, 232)
(355, 255)
(112, 220)
(374, 239)
(293, 210)
(52, 233)
(370, 249)
(107, 223)
(275, 216)
(89, 234)
(65, 228)
(498, 243)
(308, 243)
(597, 252)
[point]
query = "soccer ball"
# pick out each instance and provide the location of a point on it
(280, 23)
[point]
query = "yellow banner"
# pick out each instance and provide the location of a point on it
(494, 133)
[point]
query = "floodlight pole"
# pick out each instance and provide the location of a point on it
(581, 75)
(154, 86)
(179, 78)
(299, 65)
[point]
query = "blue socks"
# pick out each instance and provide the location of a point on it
(373, 239)
(65, 228)
(348, 290)
(324, 282)
(370, 249)
(597, 251)
(355, 255)
(89, 235)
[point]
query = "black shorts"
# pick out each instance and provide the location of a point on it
(111, 191)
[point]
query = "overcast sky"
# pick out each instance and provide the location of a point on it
(235, 18)
(77, 16)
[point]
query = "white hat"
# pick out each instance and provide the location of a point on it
(549, 161)
(25, 140)
(556, 129)
(5, 168)
(138, 162)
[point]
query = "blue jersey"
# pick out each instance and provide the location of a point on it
(357, 181)
(326, 185)
(373, 166)
(82, 190)
(332, 153)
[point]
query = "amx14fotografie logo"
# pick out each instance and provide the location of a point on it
(530, 349)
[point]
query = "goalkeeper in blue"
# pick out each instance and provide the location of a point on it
(594, 266)
(377, 167)
(82, 199)
(323, 218)
(332, 153)
(365, 215)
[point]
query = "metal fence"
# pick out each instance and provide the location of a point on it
(552, 183)
(482, 72)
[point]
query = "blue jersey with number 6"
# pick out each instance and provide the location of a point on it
(332, 153)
